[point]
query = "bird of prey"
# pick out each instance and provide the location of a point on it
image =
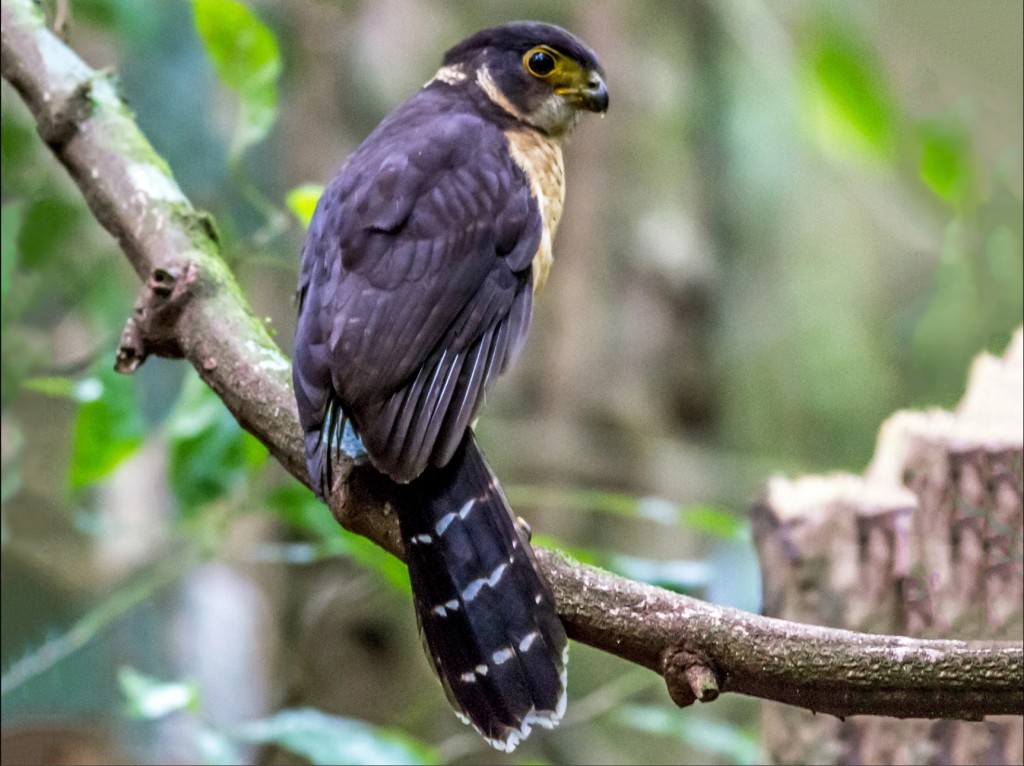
(416, 289)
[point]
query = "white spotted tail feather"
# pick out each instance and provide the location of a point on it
(486, 614)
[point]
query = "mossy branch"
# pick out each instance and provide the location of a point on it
(191, 306)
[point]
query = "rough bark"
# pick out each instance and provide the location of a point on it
(927, 543)
(190, 306)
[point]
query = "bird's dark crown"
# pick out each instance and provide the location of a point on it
(520, 36)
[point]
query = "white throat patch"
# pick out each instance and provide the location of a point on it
(554, 115)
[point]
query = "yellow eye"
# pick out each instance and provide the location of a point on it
(540, 62)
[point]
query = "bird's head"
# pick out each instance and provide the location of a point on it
(539, 73)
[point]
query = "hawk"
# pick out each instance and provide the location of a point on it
(416, 289)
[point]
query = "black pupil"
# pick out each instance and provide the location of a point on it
(541, 63)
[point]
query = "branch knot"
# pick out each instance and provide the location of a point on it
(67, 119)
(690, 676)
(151, 329)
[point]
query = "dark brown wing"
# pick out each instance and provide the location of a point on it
(415, 288)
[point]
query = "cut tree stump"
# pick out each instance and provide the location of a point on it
(927, 543)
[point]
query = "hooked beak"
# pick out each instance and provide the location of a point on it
(592, 96)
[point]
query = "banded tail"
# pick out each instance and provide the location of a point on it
(486, 613)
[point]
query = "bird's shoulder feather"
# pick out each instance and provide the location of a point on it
(416, 280)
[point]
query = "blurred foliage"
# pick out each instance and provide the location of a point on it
(245, 56)
(316, 737)
(842, 196)
(209, 453)
(700, 732)
(149, 698)
(297, 506)
(108, 427)
(849, 100)
(302, 202)
(327, 739)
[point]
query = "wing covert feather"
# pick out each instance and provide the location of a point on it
(415, 288)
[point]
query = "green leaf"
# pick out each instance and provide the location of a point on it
(704, 518)
(149, 698)
(372, 557)
(714, 521)
(947, 161)
(19, 154)
(48, 225)
(209, 451)
(590, 556)
(124, 18)
(85, 390)
(328, 739)
(302, 202)
(216, 748)
(246, 58)
(108, 427)
(850, 102)
(298, 506)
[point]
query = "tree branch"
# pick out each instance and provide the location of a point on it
(190, 306)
